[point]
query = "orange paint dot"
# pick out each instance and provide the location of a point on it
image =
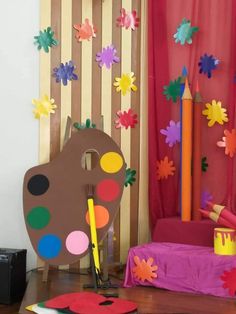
(101, 216)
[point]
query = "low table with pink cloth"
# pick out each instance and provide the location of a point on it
(181, 267)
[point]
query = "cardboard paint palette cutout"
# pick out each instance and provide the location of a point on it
(55, 196)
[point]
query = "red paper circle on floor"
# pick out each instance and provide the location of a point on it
(107, 190)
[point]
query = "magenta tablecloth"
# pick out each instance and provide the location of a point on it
(182, 267)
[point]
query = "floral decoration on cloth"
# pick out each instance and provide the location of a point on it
(125, 83)
(229, 278)
(87, 125)
(144, 270)
(165, 168)
(172, 133)
(173, 90)
(229, 142)
(65, 73)
(128, 19)
(45, 39)
(43, 106)
(207, 64)
(185, 32)
(215, 113)
(205, 198)
(107, 57)
(204, 164)
(85, 31)
(130, 176)
(126, 119)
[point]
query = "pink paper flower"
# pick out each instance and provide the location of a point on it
(128, 19)
(126, 119)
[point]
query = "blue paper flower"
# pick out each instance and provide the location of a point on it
(207, 64)
(65, 72)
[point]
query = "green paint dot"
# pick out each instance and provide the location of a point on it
(38, 217)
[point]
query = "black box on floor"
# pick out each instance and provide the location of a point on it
(12, 275)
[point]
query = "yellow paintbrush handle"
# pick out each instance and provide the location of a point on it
(93, 231)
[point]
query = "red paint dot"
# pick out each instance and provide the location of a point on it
(108, 190)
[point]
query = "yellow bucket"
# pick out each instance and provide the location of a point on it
(225, 241)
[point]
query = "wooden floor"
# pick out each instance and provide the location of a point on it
(149, 300)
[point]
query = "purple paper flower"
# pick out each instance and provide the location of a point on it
(205, 197)
(65, 72)
(107, 57)
(207, 64)
(172, 133)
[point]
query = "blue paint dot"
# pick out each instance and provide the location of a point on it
(49, 246)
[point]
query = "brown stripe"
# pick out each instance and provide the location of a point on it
(96, 71)
(76, 58)
(135, 132)
(116, 105)
(55, 87)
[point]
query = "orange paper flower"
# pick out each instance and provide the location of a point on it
(144, 269)
(229, 142)
(165, 168)
(85, 31)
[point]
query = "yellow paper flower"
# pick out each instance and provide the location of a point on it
(215, 113)
(165, 168)
(125, 83)
(43, 106)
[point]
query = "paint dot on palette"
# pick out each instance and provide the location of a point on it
(49, 246)
(38, 184)
(107, 190)
(77, 242)
(101, 216)
(38, 217)
(111, 162)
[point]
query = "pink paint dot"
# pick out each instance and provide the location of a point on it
(77, 242)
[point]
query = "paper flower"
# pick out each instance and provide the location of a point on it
(130, 176)
(173, 90)
(204, 164)
(185, 32)
(229, 142)
(128, 19)
(229, 278)
(65, 72)
(85, 31)
(87, 125)
(43, 106)
(215, 113)
(144, 269)
(107, 57)
(205, 198)
(126, 119)
(125, 83)
(165, 168)
(172, 133)
(45, 39)
(207, 64)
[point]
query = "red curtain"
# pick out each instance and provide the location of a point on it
(216, 20)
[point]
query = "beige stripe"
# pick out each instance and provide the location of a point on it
(144, 234)
(125, 140)
(66, 52)
(106, 73)
(86, 66)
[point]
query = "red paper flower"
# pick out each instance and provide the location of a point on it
(126, 119)
(229, 278)
(229, 142)
(85, 31)
(90, 302)
(128, 19)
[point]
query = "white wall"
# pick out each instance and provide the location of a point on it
(19, 83)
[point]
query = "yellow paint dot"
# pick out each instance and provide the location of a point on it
(111, 162)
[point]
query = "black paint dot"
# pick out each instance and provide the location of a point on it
(38, 184)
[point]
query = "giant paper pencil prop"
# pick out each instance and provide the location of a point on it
(197, 113)
(224, 213)
(186, 184)
(55, 197)
(216, 218)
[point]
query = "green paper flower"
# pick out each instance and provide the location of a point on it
(185, 32)
(173, 90)
(129, 176)
(204, 164)
(45, 39)
(87, 125)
